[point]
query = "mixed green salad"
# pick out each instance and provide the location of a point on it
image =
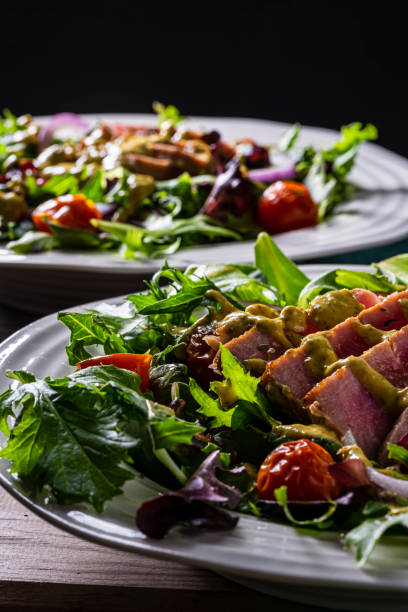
(149, 190)
(191, 385)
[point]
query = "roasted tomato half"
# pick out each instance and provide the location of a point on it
(73, 211)
(128, 361)
(301, 466)
(285, 206)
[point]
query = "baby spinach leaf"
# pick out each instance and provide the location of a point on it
(32, 242)
(280, 272)
(344, 279)
(397, 266)
(70, 238)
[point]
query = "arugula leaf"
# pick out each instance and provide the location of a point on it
(325, 171)
(398, 452)
(397, 266)
(57, 185)
(280, 272)
(288, 139)
(365, 536)
(136, 330)
(8, 125)
(321, 522)
(344, 279)
(94, 189)
(68, 237)
(172, 431)
(210, 407)
(88, 330)
(235, 282)
(239, 385)
(167, 236)
(167, 113)
(32, 242)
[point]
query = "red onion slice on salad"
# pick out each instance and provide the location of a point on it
(270, 175)
(353, 473)
(388, 483)
(62, 125)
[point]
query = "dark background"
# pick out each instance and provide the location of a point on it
(318, 63)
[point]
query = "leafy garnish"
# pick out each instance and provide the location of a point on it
(344, 279)
(70, 238)
(169, 235)
(321, 522)
(196, 503)
(94, 189)
(172, 431)
(73, 433)
(32, 242)
(325, 171)
(68, 438)
(363, 538)
(88, 329)
(396, 266)
(289, 138)
(210, 407)
(239, 282)
(167, 113)
(398, 452)
(279, 271)
(239, 385)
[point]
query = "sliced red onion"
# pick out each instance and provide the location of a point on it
(388, 483)
(353, 473)
(270, 175)
(105, 208)
(62, 126)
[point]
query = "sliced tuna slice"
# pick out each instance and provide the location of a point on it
(344, 401)
(254, 344)
(347, 405)
(246, 343)
(347, 338)
(387, 314)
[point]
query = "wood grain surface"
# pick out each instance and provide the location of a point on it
(44, 568)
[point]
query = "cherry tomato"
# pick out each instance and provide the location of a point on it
(73, 211)
(302, 466)
(128, 361)
(285, 206)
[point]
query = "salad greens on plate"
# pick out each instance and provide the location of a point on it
(149, 190)
(191, 384)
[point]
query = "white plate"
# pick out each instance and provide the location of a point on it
(274, 558)
(378, 217)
